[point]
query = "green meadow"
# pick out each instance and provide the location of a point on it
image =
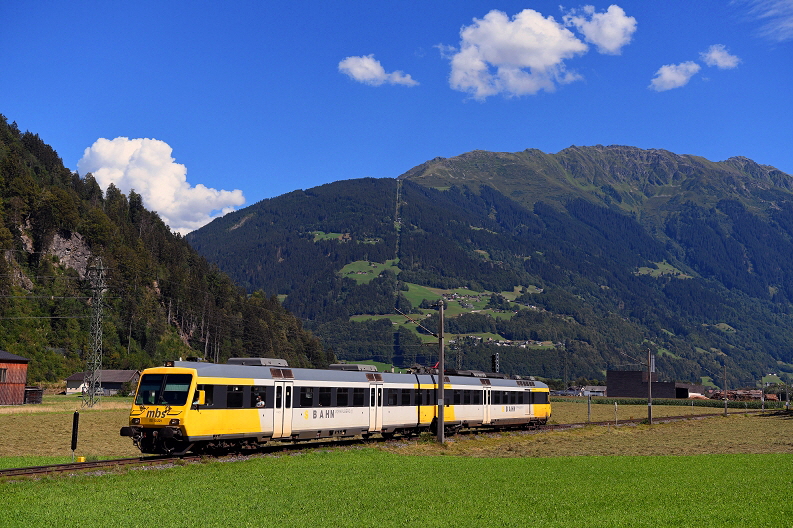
(732, 470)
(370, 487)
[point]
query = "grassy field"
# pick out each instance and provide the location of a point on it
(46, 430)
(370, 487)
(363, 272)
(728, 471)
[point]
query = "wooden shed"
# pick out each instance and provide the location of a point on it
(13, 378)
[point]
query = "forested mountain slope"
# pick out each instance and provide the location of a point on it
(162, 299)
(586, 258)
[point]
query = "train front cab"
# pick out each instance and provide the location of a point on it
(158, 414)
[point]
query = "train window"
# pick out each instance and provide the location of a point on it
(258, 397)
(288, 397)
(269, 397)
(392, 396)
(496, 395)
(234, 397)
(278, 397)
(358, 397)
(467, 397)
(163, 389)
(342, 397)
(406, 393)
(513, 397)
(540, 397)
(379, 396)
(429, 397)
(324, 396)
(209, 395)
(372, 398)
(174, 391)
(148, 389)
(457, 397)
(306, 397)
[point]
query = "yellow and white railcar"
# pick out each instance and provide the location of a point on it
(192, 406)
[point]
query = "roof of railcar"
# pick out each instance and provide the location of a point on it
(223, 370)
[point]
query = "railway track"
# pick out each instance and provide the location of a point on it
(37, 471)
(144, 461)
(83, 466)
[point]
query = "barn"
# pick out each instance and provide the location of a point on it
(112, 381)
(13, 378)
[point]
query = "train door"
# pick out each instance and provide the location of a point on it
(282, 412)
(375, 407)
(528, 399)
(486, 406)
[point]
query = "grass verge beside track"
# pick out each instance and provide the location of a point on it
(370, 487)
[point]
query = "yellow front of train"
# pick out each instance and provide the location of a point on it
(542, 411)
(159, 414)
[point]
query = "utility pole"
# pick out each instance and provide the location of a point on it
(649, 388)
(725, 388)
(441, 369)
(92, 380)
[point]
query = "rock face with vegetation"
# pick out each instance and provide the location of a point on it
(162, 301)
(582, 260)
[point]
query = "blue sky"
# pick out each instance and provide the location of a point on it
(206, 107)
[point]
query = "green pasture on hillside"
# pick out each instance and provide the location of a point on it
(362, 271)
(368, 487)
(321, 235)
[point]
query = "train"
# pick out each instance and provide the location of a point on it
(214, 408)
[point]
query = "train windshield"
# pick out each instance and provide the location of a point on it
(163, 389)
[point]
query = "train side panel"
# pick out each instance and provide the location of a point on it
(198, 406)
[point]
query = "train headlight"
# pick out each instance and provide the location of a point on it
(135, 421)
(174, 421)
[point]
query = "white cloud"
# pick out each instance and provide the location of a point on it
(609, 31)
(368, 70)
(517, 56)
(777, 15)
(673, 76)
(146, 165)
(718, 56)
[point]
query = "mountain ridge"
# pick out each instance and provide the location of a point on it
(629, 248)
(598, 166)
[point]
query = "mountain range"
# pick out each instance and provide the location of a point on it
(566, 264)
